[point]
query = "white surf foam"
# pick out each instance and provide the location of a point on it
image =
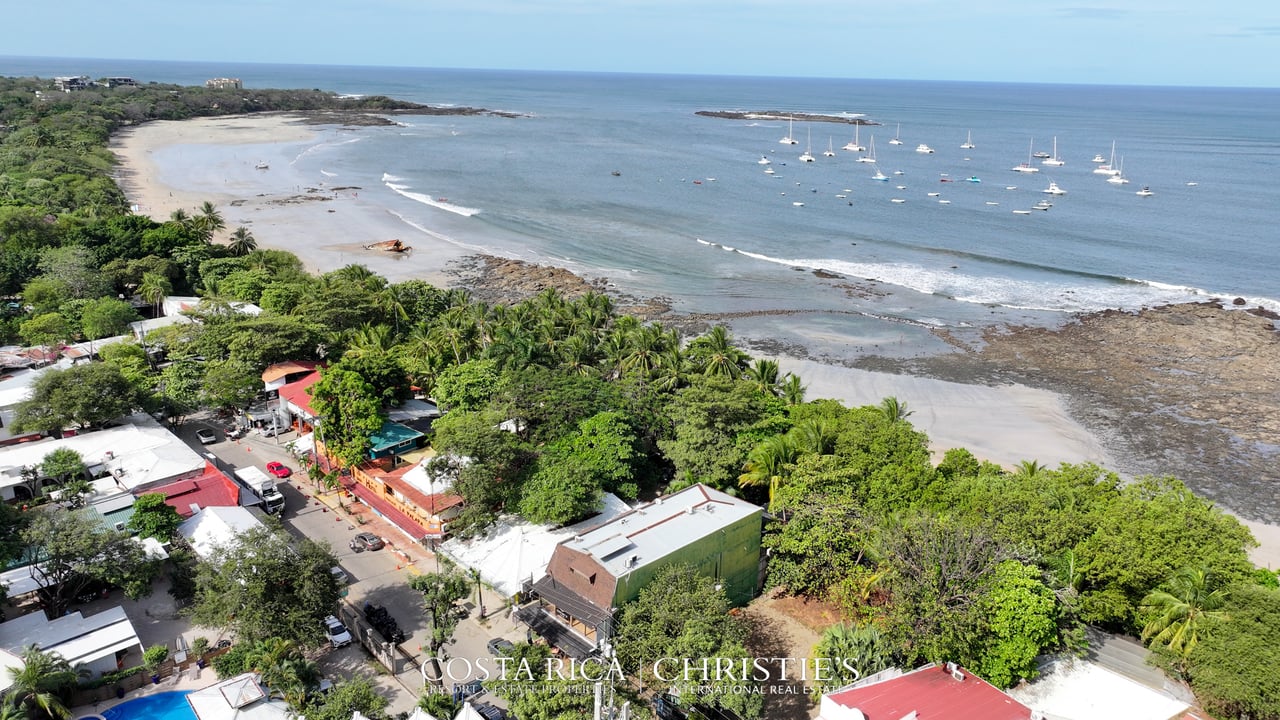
(323, 146)
(438, 203)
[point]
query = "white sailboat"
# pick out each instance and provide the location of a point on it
(1110, 167)
(808, 150)
(1119, 178)
(854, 145)
(1027, 167)
(788, 139)
(829, 152)
(870, 157)
(896, 136)
(1054, 160)
(968, 143)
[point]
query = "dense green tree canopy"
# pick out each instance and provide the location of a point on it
(154, 518)
(79, 550)
(350, 412)
(681, 614)
(80, 396)
(266, 585)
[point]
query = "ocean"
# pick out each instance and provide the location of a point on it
(615, 176)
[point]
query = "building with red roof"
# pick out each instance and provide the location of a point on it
(209, 489)
(932, 692)
(296, 398)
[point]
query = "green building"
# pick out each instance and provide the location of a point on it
(592, 575)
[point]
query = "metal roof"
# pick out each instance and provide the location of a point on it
(653, 531)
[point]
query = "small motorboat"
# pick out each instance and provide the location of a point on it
(1144, 192)
(261, 166)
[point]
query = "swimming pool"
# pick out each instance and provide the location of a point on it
(170, 705)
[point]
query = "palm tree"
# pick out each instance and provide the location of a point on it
(856, 651)
(792, 390)
(209, 221)
(1029, 468)
(39, 686)
(716, 354)
(370, 340)
(813, 435)
(1181, 612)
(894, 409)
(155, 288)
(242, 242)
(763, 374)
(767, 464)
(180, 216)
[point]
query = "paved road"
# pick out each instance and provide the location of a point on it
(379, 577)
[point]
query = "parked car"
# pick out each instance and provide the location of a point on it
(206, 436)
(338, 633)
(279, 469)
(500, 646)
(366, 541)
(340, 576)
(269, 431)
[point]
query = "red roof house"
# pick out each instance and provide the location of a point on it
(209, 489)
(298, 396)
(933, 692)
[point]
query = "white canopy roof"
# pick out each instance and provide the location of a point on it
(515, 550)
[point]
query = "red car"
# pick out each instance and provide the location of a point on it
(280, 470)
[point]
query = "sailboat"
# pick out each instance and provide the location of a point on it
(1027, 167)
(829, 152)
(1119, 178)
(1109, 168)
(870, 157)
(968, 143)
(788, 139)
(853, 145)
(896, 134)
(1054, 160)
(808, 150)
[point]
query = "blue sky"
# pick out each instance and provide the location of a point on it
(1145, 42)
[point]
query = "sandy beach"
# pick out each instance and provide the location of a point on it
(169, 165)
(325, 225)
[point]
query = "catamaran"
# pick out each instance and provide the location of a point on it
(870, 157)
(1054, 160)
(788, 139)
(968, 143)
(896, 134)
(1027, 167)
(853, 145)
(808, 150)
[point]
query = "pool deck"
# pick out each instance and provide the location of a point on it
(193, 679)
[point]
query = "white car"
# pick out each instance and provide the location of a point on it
(206, 436)
(338, 633)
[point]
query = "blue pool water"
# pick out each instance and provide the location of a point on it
(161, 706)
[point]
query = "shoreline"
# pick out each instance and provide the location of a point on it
(960, 400)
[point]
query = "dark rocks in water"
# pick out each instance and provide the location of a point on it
(1239, 301)
(779, 115)
(827, 275)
